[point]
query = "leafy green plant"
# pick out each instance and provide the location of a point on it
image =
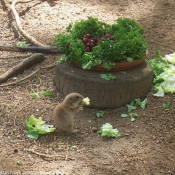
(37, 126)
(34, 94)
(123, 72)
(22, 44)
(101, 113)
(18, 162)
(141, 103)
(131, 115)
(164, 74)
(108, 76)
(47, 93)
(131, 107)
(134, 103)
(107, 131)
(167, 105)
(92, 42)
(38, 94)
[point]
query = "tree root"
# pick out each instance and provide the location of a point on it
(21, 66)
(32, 49)
(33, 73)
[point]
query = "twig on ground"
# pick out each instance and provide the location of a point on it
(18, 24)
(46, 155)
(171, 159)
(67, 151)
(36, 58)
(45, 67)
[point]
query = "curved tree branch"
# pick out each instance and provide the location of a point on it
(23, 33)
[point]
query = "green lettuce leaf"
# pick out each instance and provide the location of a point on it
(168, 77)
(107, 131)
(37, 126)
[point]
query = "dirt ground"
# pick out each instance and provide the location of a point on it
(147, 146)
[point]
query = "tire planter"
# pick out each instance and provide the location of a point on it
(104, 94)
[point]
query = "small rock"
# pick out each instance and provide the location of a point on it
(94, 129)
(15, 150)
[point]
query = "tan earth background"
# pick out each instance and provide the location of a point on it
(147, 146)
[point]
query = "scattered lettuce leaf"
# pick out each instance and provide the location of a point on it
(160, 92)
(124, 115)
(167, 105)
(37, 126)
(131, 107)
(34, 94)
(132, 119)
(170, 58)
(158, 64)
(168, 77)
(107, 131)
(47, 93)
(22, 44)
(141, 103)
(164, 73)
(101, 113)
(123, 72)
(132, 115)
(107, 76)
(32, 134)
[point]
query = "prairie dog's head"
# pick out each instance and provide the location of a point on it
(74, 100)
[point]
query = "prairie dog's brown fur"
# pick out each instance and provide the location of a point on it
(64, 112)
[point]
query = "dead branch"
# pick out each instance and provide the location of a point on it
(32, 49)
(21, 66)
(18, 24)
(33, 73)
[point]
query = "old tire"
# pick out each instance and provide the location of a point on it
(104, 94)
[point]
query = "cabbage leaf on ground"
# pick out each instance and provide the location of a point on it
(107, 131)
(37, 126)
(164, 74)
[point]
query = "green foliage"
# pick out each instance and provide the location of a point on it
(164, 75)
(158, 64)
(47, 93)
(107, 131)
(18, 162)
(129, 43)
(123, 72)
(141, 103)
(131, 115)
(34, 94)
(22, 44)
(107, 77)
(38, 94)
(131, 107)
(133, 104)
(101, 113)
(167, 105)
(37, 126)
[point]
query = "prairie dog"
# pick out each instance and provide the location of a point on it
(64, 112)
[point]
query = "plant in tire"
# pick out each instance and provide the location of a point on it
(92, 42)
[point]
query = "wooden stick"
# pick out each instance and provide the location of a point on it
(33, 49)
(21, 66)
(33, 73)
(18, 24)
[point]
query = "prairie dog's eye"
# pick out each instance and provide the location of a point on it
(77, 97)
